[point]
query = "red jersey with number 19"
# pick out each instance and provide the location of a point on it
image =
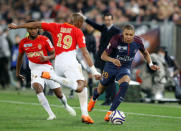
(65, 36)
(35, 48)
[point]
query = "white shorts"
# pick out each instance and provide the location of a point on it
(36, 71)
(67, 65)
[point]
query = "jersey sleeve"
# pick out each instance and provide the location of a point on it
(80, 38)
(49, 45)
(142, 48)
(21, 49)
(111, 46)
(50, 27)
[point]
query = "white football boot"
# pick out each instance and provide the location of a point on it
(52, 117)
(70, 110)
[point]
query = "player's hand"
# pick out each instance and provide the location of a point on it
(19, 76)
(154, 67)
(98, 76)
(84, 17)
(116, 62)
(43, 58)
(12, 26)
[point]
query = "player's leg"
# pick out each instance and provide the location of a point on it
(108, 76)
(43, 100)
(61, 97)
(123, 86)
(97, 92)
(75, 74)
(61, 80)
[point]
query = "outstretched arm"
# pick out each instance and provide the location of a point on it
(18, 66)
(148, 59)
(26, 25)
(87, 57)
(92, 23)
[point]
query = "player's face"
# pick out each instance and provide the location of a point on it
(33, 32)
(128, 35)
(108, 20)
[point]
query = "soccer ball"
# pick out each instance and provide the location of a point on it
(117, 117)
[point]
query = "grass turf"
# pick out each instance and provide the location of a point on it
(20, 111)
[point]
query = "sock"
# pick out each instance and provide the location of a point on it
(95, 95)
(83, 98)
(65, 82)
(90, 84)
(63, 100)
(119, 96)
(44, 102)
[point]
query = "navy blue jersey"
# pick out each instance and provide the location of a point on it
(123, 51)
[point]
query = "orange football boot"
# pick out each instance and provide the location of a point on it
(91, 104)
(107, 117)
(45, 75)
(87, 119)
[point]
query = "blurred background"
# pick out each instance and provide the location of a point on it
(158, 22)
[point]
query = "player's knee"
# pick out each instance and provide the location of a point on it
(58, 92)
(37, 87)
(81, 85)
(79, 89)
(125, 78)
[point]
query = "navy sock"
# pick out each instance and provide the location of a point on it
(95, 95)
(119, 96)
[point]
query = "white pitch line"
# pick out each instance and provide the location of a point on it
(59, 106)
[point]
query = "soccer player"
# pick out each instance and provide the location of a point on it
(36, 47)
(118, 56)
(66, 37)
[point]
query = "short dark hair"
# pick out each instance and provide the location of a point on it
(128, 27)
(108, 14)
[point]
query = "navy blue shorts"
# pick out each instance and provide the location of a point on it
(111, 74)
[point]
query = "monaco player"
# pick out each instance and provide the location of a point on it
(36, 46)
(66, 37)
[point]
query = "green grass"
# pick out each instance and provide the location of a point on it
(20, 111)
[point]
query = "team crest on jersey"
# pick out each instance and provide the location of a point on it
(122, 47)
(28, 45)
(39, 46)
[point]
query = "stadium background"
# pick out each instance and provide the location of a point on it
(157, 21)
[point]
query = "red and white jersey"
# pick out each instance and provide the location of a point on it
(34, 48)
(65, 36)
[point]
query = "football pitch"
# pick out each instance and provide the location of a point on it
(21, 111)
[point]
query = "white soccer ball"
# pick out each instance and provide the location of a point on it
(117, 117)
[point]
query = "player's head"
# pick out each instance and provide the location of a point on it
(33, 32)
(128, 33)
(108, 19)
(77, 20)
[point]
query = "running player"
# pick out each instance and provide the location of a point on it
(119, 56)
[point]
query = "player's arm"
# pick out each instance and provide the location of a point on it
(87, 58)
(149, 61)
(26, 25)
(51, 56)
(18, 66)
(106, 57)
(92, 23)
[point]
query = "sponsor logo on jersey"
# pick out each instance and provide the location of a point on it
(125, 58)
(28, 45)
(122, 47)
(34, 54)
